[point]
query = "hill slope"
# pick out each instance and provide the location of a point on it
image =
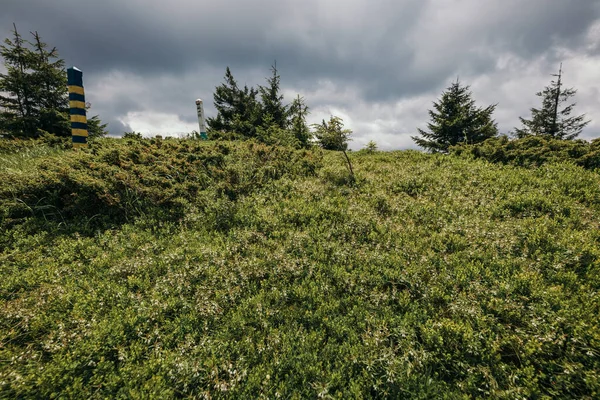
(182, 269)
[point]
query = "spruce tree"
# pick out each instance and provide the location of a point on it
(225, 98)
(96, 128)
(35, 98)
(297, 112)
(455, 119)
(238, 110)
(17, 106)
(550, 120)
(272, 100)
(51, 95)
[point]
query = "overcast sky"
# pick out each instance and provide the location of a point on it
(378, 64)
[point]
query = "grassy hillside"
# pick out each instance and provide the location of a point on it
(170, 268)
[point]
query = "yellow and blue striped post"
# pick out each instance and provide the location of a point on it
(79, 130)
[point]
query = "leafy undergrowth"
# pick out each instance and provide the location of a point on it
(182, 269)
(116, 182)
(533, 151)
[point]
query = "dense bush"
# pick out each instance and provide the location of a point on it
(118, 181)
(534, 151)
(247, 271)
(14, 146)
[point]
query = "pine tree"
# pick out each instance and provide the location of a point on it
(332, 136)
(51, 95)
(272, 100)
(96, 128)
(455, 119)
(549, 120)
(225, 99)
(35, 98)
(297, 112)
(17, 108)
(237, 109)
(268, 120)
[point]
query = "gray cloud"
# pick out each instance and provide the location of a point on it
(116, 126)
(379, 63)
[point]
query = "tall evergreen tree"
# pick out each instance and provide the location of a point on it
(237, 109)
(550, 119)
(17, 106)
(272, 100)
(35, 98)
(455, 119)
(51, 95)
(269, 120)
(298, 112)
(225, 100)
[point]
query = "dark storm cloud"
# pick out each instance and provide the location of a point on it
(370, 45)
(115, 125)
(149, 38)
(169, 53)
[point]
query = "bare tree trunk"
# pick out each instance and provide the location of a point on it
(349, 164)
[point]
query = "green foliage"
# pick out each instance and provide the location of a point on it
(238, 110)
(18, 107)
(225, 135)
(240, 270)
(371, 147)
(35, 84)
(273, 108)
(271, 133)
(532, 151)
(120, 180)
(133, 135)
(96, 128)
(240, 115)
(298, 126)
(14, 146)
(551, 121)
(36, 101)
(50, 82)
(331, 134)
(456, 120)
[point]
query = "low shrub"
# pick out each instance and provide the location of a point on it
(533, 151)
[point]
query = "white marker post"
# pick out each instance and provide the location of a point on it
(200, 108)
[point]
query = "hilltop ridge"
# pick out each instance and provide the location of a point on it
(177, 268)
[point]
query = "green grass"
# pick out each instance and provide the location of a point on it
(25, 160)
(169, 268)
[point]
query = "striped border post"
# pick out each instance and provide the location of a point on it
(79, 130)
(200, 109)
